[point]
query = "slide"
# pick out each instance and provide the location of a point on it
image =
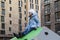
(30, 35)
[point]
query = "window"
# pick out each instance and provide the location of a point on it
(47, 9)
(3, 25)
(57, 16)
(9, 28)
(10, 22)
(3, 11)
(2, 18)
(9, 1)
(2, 4)
(31, 1)
(20, 14)
(36, 1)
(9, 15)
(46, 2)
(25, 6)
(24, 12)
(25, 1)
(20, 9)
(10, 8)
(47, 18)
(37, 7)
(2, 32)
(20, 3)
(57, 27)
(31, 6)
(19, 21)
(20, 26)
(57, 5)
(25, 18)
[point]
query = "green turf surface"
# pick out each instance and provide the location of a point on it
(30, 35)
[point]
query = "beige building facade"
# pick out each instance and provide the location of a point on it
(14, 16)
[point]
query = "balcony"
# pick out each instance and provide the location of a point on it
(46, 2)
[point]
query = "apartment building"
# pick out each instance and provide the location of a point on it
(14, 16)
(50, 14)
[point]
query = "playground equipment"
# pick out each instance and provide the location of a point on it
(41, 33)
